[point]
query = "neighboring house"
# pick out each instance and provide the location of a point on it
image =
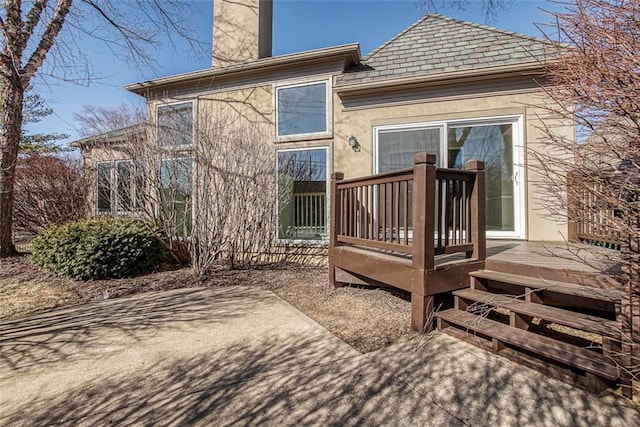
(453, 88)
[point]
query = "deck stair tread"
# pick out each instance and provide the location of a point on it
(583, 322)
(536, 283)
(584, 359)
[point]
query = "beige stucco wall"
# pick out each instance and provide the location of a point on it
(361, 120)
(256, 104)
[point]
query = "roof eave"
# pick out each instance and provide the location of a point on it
(531, 68)
(111, 137)
(349, 53)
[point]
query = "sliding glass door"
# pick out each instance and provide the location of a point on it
(397, 146)
(495, 141)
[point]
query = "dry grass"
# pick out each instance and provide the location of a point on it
(367, 319)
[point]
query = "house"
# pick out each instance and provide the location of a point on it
(449, 90)
(454, 88)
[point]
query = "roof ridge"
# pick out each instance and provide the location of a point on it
(400, 34)
(488, 27)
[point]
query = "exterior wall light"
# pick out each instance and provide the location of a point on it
(354, 144)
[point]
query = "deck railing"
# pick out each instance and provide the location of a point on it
(592, 219)
(422, 211)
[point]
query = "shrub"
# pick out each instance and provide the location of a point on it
(98, 249)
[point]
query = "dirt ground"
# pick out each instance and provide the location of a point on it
(367, 319)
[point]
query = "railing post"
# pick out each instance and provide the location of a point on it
(423, 223)
(573, 208)
(335, 218)
(423, 215)
(478, 214)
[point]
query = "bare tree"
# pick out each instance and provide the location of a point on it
(97, 119)
(235, 175)
(32, 30)
(596, 83)
(208, 189)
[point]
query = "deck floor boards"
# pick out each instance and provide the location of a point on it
(557, 255)
(554, 255)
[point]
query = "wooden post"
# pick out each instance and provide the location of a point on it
(629, 316)
(478, 214)
(422, 312)
(335, 219)
(423, 220)
(423, 223)
(572, 208)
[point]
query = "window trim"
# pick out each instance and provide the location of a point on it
(328, 111)
(193, 124)
(308, 242)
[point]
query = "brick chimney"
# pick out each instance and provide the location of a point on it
(241, 31)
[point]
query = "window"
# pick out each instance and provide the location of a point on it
(116, 188)
(397, 147)
(302, 194)
(302, 109)
(125, 187)
(494, 145)
(104, 187)
(175, 124)
(176, 177)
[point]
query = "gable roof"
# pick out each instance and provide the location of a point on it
(124, 134)
(437, 44)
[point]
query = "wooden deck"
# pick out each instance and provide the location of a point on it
(422, 230)
(554, 255)
(390, 228)
(570, 263)
(571, 257)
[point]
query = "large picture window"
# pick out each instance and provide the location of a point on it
(175, 124)
(176, 194)
(302, 109)
(302, 194)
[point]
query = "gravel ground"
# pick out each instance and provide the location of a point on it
(367, 319)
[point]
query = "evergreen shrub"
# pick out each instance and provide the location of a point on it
(98, 249)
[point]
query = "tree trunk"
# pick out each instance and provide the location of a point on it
(12, 95)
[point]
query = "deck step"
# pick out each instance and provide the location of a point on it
(584, 359)
(538, 284)
(583, 322)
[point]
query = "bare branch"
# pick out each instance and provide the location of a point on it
(33, 18)
(48, 39)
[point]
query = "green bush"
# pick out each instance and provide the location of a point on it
(98, 249)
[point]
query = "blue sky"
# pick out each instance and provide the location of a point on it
(298, 25)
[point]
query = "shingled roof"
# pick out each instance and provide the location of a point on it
(437, 44)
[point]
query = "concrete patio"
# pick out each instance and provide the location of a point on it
(243, 356)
